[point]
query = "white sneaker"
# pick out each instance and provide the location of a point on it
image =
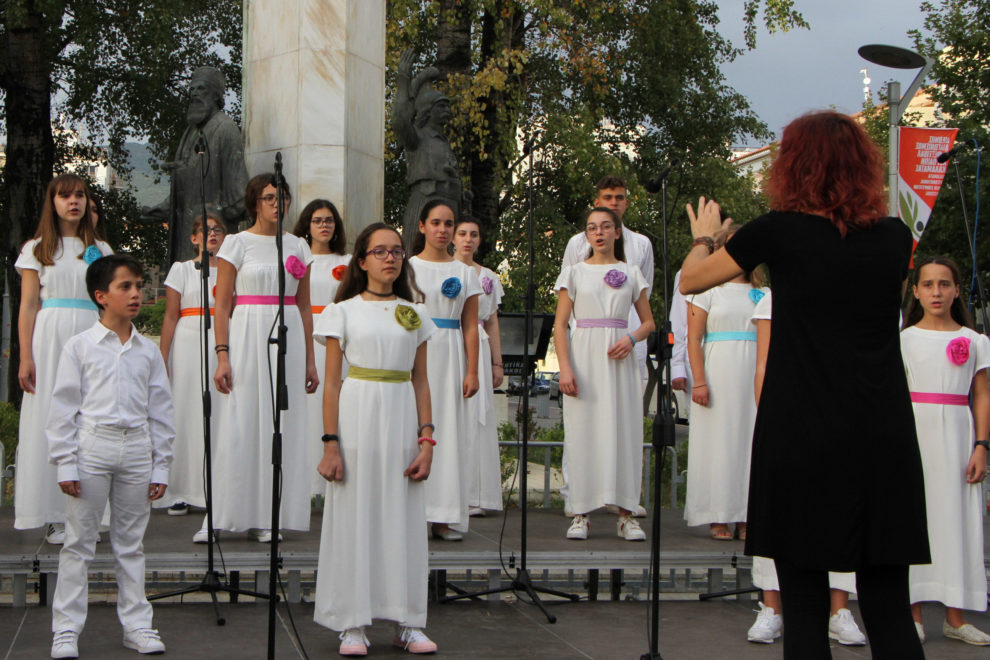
(767, 627)
(966, 633)
(628, 528)
(843, 629)
(414, 640)
(445, 533)
(639, 511)
(203, 538)
(65, 644)
(476, 512)
(579, 527)
(55, 534)
(144, 640)
(921, 631)
(263, 535)
(178, 509)
(353, 642)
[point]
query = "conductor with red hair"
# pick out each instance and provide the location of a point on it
(834, 439)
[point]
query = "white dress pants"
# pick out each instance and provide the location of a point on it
(115, 466)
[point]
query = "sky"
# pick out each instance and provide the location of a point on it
(791, 73)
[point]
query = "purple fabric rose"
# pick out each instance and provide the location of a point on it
(91, 254)
(295, 267)
(756, 295)
(451, 287)
(487, 285)
(958, 350)
(615, 278)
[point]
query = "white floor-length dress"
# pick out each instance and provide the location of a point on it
(373, 543)
(484, 475)
(185, 375)
(66, 310)
(243, 464)
(325, 276)
(603, 427)
(956, 576)
(446, 491)
(721, 434)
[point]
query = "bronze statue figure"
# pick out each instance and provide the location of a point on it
(226, 174)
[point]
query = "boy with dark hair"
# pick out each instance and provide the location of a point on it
(110, 430)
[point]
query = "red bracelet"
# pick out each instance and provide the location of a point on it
(425, 439)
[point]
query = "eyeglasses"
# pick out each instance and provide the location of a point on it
(381, 253)
(605, 226)
(322, 222)
(270, 198)
(215, 230)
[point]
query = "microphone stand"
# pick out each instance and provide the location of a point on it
(663, 433)
(281, 403)
(523, 581)
(211, 582)
(980, 294)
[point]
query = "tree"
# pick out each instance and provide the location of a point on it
(957, 37)
(110, 69)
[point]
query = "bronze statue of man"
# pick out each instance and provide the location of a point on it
(211, 131)
(419, 116)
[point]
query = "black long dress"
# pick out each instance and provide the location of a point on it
(836, 480)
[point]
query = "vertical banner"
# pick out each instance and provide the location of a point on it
(920, 175)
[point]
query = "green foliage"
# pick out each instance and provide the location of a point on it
(149, 319)
(9, 418)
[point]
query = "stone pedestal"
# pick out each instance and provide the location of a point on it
(314, 89)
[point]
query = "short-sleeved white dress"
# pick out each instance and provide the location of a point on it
(66, 310)
(956, 576)
(484, 476)
(603, 427)
(373, 544)
(721, 434)
(243, 463)
(446, 489)
(764, 569)
(185, 374)
(325, 276)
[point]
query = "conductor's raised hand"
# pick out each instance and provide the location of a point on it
(708, 219)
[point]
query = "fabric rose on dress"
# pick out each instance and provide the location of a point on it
(295, 267)
(407, 317)
(487, 285)
(615, 278)
(91, 254)
(756, 295)
(451, 287)
(958, 350)
(338, 272)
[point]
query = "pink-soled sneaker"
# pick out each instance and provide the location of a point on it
(414, 640)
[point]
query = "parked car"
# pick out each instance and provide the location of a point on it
(555, 385)
(541, 385)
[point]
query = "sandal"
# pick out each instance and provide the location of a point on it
(720, 532)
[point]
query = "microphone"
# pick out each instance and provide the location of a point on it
(200, 146)
(653, 185)
(944, 156)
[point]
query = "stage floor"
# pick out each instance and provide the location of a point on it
(606, 630)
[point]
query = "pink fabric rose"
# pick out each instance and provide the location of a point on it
(295, 267)
(958, 350)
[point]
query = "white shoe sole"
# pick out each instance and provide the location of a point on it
(835, 636)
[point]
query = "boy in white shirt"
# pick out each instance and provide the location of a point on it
(110, 430)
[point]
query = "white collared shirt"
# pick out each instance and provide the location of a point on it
(100, 381)
(679, 363)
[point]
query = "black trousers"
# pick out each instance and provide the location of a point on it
(884, 603)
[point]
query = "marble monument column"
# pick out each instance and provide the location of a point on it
(314, 89)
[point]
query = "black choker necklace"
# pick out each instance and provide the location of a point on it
(380, 295)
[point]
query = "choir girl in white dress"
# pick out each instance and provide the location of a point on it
(378, 446)
(182, 347)
(769, 623)
(246, 364)
(451, 290)
(946, 364)
(321, 226)
(603, 433)
(722, 352)
(54, 306)
(484, 474)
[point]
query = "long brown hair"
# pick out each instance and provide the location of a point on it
(419, 240)
(256, 186)
(828, 164)
(356, 280)
(619, 249)
(338, 241)
(915, 312)
(48, 231)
